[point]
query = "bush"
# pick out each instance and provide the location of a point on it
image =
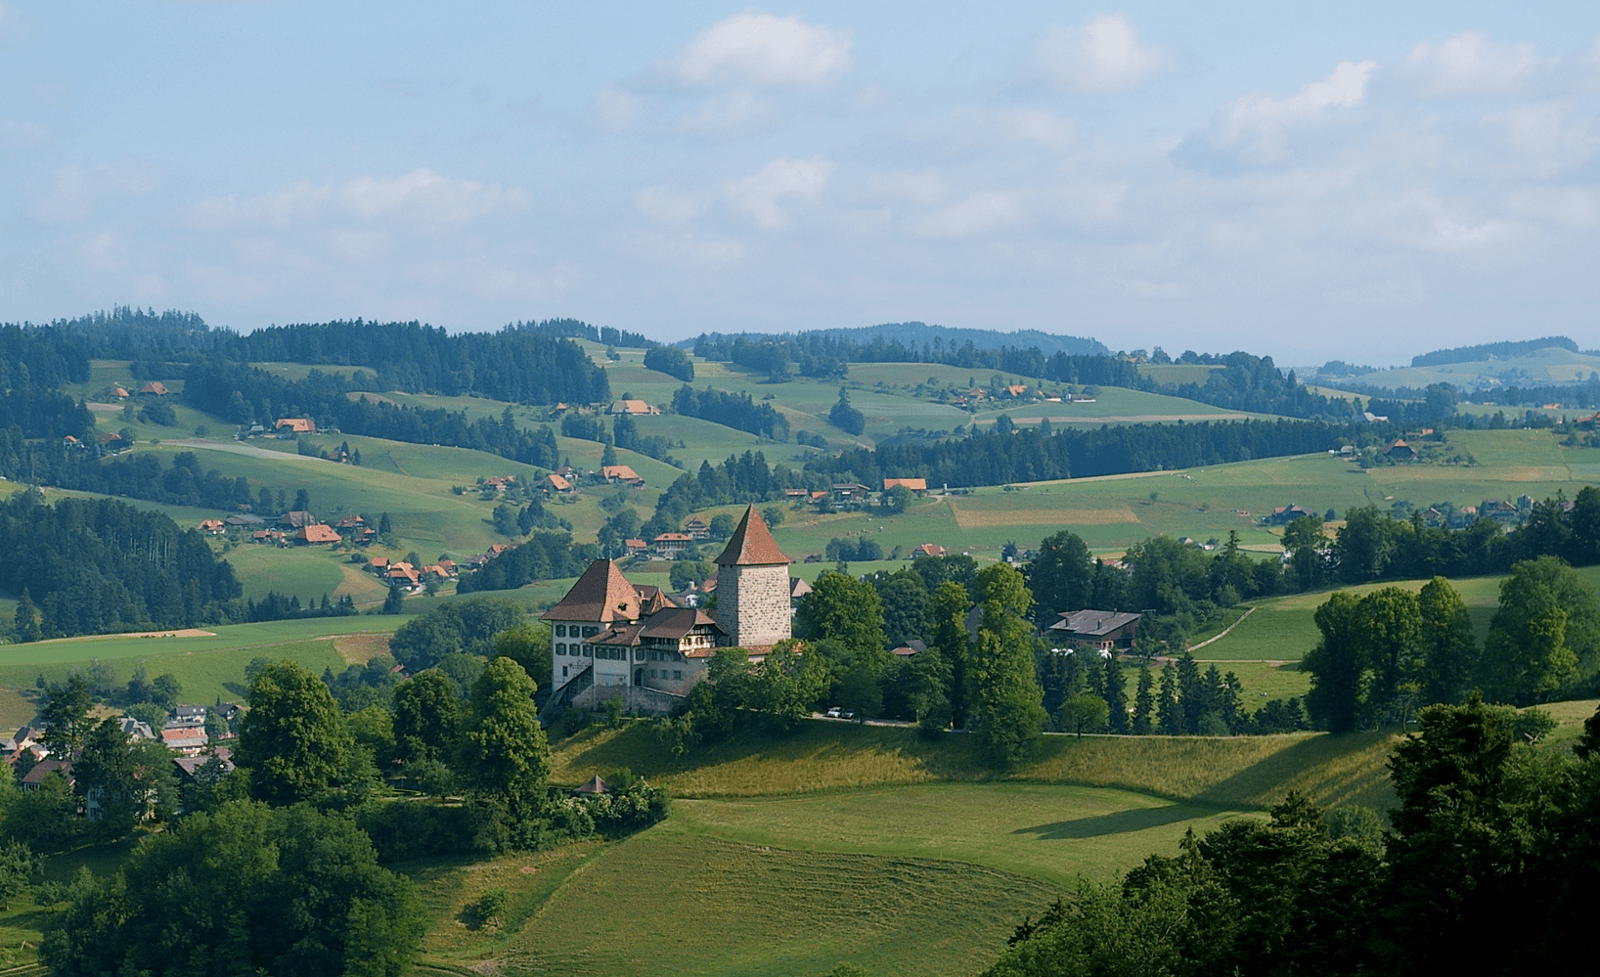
(486, 909)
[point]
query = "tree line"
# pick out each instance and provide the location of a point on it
(735, 410)
(1485, 820)
(100, 566)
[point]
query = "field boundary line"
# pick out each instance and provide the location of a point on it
(1224, 634)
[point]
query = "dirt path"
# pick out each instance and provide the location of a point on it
(178, 633)
(238, 448)
(1224, 634)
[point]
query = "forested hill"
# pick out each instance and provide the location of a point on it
(915, 335)
(527, 362)
(1499, 351)
(98, 566)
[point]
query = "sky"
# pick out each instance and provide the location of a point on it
(1363, 180)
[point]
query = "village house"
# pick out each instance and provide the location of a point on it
(929, 549)
(696, 528)
(850, 491)
(611, 638)
(154, 388)
(317, 534)
(635, 547)
(212, 527)
(555, 483)
(1400, 451)
(295, 425)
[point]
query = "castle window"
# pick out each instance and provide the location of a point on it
(561, 649)
(588, 651)
(677, 675)
(653, 673)
(590, 632)
(638, 655)
(561, 630)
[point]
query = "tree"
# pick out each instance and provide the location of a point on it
(18, 866)
(1115, 691)
(527, 644)
(1391, 626)
(1449, 650)
(1169, 714)
(1143, 702)
(1060, 576)
(65, 714)
(26, 619)
(395, 601)
(123, 780)
(1545, 633)
(897, 499)
(427, 717)
(947, 616)
(843, 609)
(1084, 711)
(845, 417)
(1009, 709)
(1340, 673)
(293, 740)
(502, 754)
(291, 892)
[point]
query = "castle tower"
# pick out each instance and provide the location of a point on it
(753, 586)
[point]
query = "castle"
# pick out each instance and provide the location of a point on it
(610, 638)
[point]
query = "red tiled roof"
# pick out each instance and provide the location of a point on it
(602, 595)
(752, 544)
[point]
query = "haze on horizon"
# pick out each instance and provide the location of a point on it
(1365, 182)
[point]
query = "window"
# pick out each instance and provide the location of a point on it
(638, 655)
(563, 671)
(588, 651)
(590, 632)
(561, 630)
(561, 649)
(677, 674)
(653, 673)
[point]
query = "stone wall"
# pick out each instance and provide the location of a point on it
(753, 605)
(634, 699)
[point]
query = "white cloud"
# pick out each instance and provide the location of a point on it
(759, 49)
(615, 109)
(757, 195)
(1103, 56)
(77, 187)
(420, 197)
(1252, 127)
(727, 112)
(981, 213)
(12, 25)
(1469, 64)
(666, 208)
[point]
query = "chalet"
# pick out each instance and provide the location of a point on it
(317, 534)
(1499, 510)
(496, 549)
(849, 491)
(114, 444)
(189, 766)
(1285, 514)
(635, 547)
(621, 473)
(555, 483)
(795, 493)
(434, 571)
(912, 647)
(1016, 390)
(1105, 630)
(24, 740)
(633, 407)
(670, 545)
(929, 549)
(379, 565)
(154, 388)
(212, 527)
(1400, 451)
(73, 443)
(136, 729)
(34, 779)
(295, 425)
(121, 392)
(271, 536)
(611, 638)
(244, 519)
(500, 482)
(299, 519)
(917, 485)
(403, 574)
(450, 568)
(189, 714)
(798, 588)
(185, 740)
(696, 528)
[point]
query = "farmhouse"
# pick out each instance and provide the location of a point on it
(295, 425)
(929, 549)
(633, 407)
(1400, 451)
(155, 388)
(621, 473)
(917, 485)
(1096, 629)
(621, 639)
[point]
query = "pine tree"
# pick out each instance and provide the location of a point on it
(27, 619)
(1168, 715)
(1116, 695)
(1143, 702)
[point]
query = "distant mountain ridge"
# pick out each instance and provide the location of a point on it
(1499, 351)
(919, 333)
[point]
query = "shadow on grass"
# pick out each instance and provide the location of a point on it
(1139, 819)
(1329, 769)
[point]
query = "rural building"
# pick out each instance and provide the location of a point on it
(929, 549)
(212, 527)
(633, 407)
(1400, 451)
(621, 473)
(1104, 630)
(295, 425)
(917, 485)
(697, 528)
(154, 388)
(317, 535)
(848, 491)
(555, 483)
(618, 638)
(670, 545)
(635, 547)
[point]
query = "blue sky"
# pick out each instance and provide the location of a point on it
(1361, 180)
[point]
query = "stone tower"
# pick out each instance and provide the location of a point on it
(753, 586)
